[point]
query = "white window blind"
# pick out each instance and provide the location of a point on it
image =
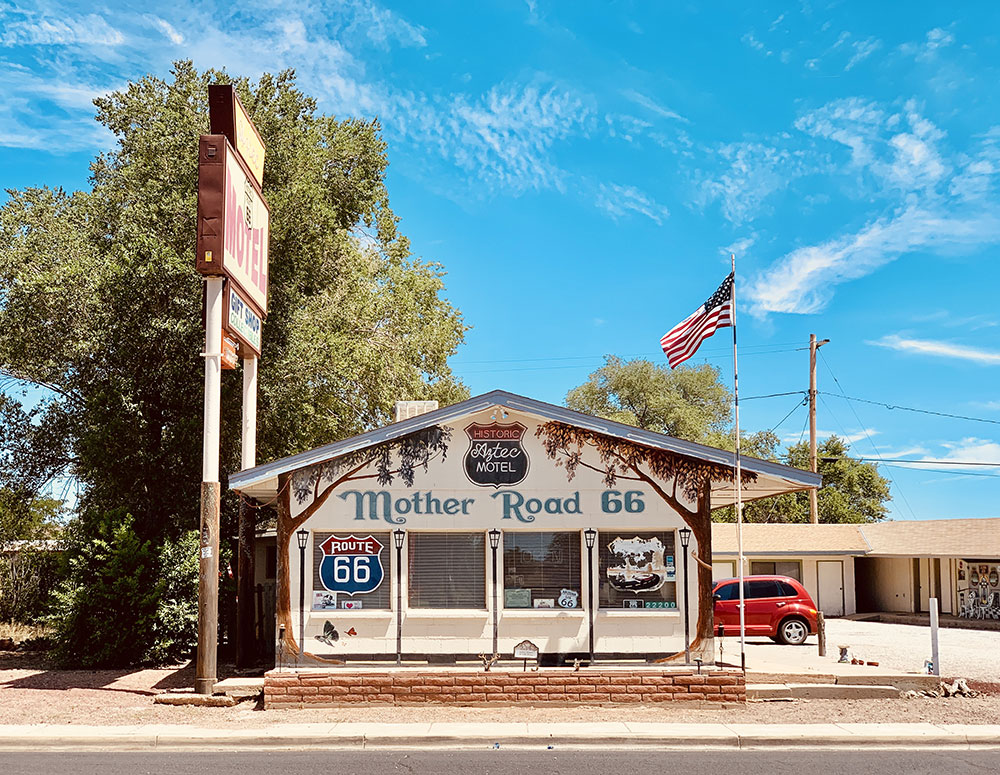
(447, 570)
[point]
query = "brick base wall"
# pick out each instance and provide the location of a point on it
(343, 686)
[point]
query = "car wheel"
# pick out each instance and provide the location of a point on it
(793, 632)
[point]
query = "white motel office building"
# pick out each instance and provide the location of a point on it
(493, 521)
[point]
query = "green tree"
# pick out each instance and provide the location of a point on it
(100, 303)
(691, 404)
(688, 403)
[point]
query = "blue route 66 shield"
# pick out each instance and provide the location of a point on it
(350, 564)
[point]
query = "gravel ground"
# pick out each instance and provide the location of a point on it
(900, 648)
(31, 694)
(972, 654)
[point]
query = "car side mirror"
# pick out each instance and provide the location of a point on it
(717, 597)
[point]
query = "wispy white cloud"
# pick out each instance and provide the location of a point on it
(34, 28)
(751, 172)
(967, 450)
(862, 50)
(618, 201)
(651, 105)
(166, 28)
(381, 25)
(940, 349)
(899, 160)
(751, 40)
(740, 246)
(804, 280)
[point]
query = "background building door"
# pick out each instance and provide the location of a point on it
(830, 587)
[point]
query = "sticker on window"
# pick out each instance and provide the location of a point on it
(640, 564)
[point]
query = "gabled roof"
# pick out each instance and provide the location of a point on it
(772, 478)
(797, 539)
(971, 538)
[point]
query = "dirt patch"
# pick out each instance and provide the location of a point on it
(32, 694)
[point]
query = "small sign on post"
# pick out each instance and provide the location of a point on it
(526, 650)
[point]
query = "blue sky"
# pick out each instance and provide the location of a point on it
(583, 170)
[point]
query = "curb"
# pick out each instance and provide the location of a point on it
(582, 736)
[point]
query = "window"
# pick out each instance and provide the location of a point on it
(728, 592)
(541, 570)
(792, 569)
(447, 570)
(636, 570)
(786, 590)
(345, 563)
(758, 589)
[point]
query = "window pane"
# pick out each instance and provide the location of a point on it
(637, 570)
(541, 570)
(792, 569)
(348, 564)
(447, 570)
(787, 590)
(759, 568)
(759, 589)
(728, 592)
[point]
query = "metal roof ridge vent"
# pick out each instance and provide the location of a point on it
(408, 409)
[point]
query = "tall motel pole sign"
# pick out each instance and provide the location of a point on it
(233, 228)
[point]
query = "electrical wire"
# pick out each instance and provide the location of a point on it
(912, 409)
(864, 430)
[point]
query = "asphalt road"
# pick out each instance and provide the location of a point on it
(500, 762)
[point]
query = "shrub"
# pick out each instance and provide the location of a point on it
(176, 628)
(27, 577)
(105, 612)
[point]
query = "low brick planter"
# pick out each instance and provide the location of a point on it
(315, 688)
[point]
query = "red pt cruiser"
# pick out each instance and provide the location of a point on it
(776, 606)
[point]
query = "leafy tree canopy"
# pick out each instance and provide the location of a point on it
(690, 403)
(100, 303)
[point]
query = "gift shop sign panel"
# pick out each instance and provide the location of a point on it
(233, 222)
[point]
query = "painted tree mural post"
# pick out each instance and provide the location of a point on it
(314, 485)
(672, 477)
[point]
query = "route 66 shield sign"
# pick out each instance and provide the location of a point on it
(350, 564)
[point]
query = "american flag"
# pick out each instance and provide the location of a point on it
(682, 341)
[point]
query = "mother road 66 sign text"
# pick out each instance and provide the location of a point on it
(351, 564)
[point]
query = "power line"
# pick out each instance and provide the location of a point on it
(948, 473)
(932, 462)
(867, 436)
(910, 408)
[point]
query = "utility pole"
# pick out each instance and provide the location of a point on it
(813, 347)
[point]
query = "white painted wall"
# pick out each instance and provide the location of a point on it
(453, 631)
(893, 583)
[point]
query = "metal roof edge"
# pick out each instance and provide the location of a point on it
(396, 430)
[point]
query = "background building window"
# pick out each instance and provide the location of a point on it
(769, 568)
(378, 599)
(636, 569)
(541, 570)
(447, 570)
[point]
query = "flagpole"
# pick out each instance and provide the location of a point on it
(738, 483)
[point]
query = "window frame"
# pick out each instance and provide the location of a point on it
(577, 548)
(412, 538)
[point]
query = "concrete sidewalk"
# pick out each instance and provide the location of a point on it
(478, 736)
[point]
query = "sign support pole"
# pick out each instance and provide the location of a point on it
(208, 568)
(246, 642)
